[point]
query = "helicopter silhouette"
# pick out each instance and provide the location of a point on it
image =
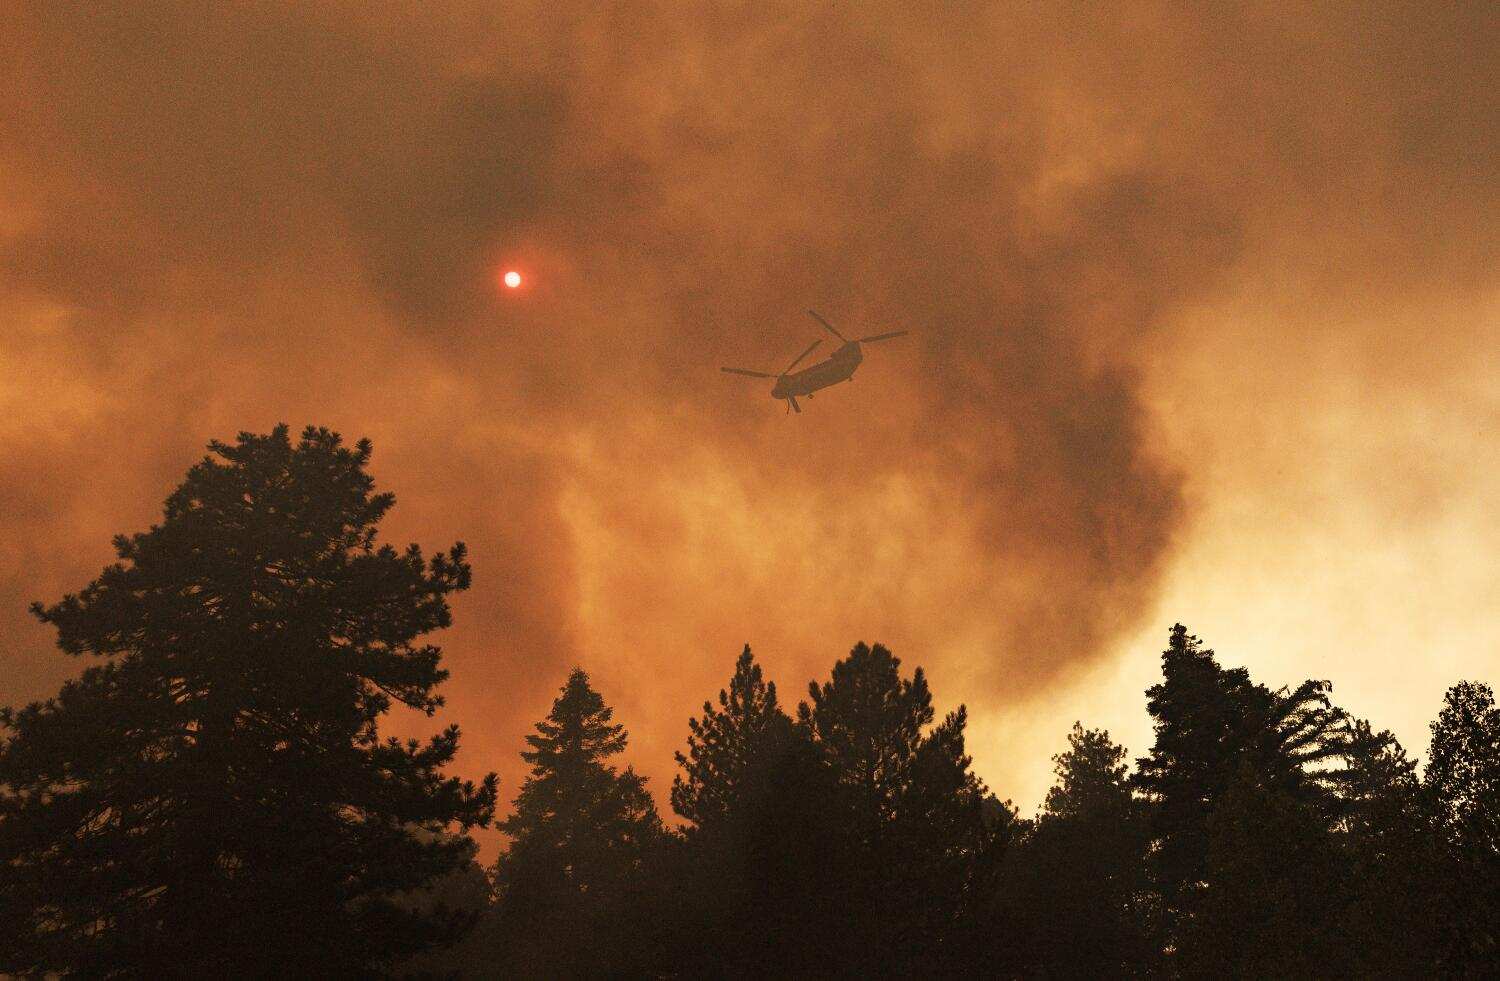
(838, 366)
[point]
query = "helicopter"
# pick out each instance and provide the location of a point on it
(838, 366)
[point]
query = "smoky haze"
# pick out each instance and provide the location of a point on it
(218, 218)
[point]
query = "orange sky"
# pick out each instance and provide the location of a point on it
(1204, 306)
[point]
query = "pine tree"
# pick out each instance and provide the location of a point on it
(469, 890)
(759, 868)
(869, 722)
(580, 835)
(1079, 871)
(1203, 715)
(1273, 889)
(915, 808)
(1216, 729)
(1210, 721)
(1300, 735)
(1393, 917)
(1463, 779)
(1091, 779)
(214, 798)
(1463, 766)
(730, 748)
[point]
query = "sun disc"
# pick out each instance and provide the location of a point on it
(512, 279)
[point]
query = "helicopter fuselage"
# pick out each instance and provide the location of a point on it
(837, 367)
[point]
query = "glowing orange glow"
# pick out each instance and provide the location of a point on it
(512, 279)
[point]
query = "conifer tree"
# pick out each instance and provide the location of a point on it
(213, 796)
(1211, 721)
(1273, 888)
(1463, 779)
(1463, 766)
(730, 748)
(1091, 779)
(869, 723)
(1079, 871)
(1215, 729)
(760, 869)
(1394, 914)
(915, 808)
(1203, 713)
(580, 835)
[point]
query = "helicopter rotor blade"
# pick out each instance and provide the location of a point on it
(831, 329)
(804, 354)
(883, 337)
(742, 371)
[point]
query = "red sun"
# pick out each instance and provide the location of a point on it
(511, 279)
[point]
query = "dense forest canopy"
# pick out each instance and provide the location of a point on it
(212, 796)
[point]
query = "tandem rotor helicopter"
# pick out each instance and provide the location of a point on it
(838, 366)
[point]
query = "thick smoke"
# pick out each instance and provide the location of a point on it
(217, 218)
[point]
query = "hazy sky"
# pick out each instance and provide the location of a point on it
(1204, 302)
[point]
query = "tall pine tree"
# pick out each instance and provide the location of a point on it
(1203, 715)
(1210, 721)
(581, 834)
(1394, 917)
(1217, 730)
(213, 797)
(760, 868)
(1463, 779)
(1079, 872)
(915, 808)
(730, 747)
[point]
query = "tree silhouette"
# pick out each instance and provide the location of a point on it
(729, 748)
(1212, 721)
(580, 834)
(1463, 767)
(915, 809)
(1463, 777)
(214, 797)
(760, 870)
(1216, 729)
(470, 891)
(1273, 886)
(1090, 780)
(1394, 915)
(1202, 714)
(1080, 871)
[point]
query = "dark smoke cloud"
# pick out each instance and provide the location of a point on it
(215, 218)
